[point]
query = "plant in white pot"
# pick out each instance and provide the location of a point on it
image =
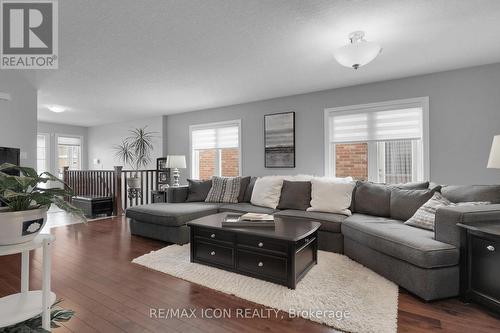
(135, 151)
(26, 203)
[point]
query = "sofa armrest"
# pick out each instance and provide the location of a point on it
(445, 226)
(177, 194)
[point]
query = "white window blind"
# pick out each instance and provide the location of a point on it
(215, 138)
(376, 125)
(70, 141)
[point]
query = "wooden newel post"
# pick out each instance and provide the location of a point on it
(66, 179)
(117, 200)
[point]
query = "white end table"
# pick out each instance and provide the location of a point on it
(27, 304)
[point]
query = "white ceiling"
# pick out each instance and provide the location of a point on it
(126, 59)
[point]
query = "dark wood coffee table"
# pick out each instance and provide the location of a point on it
(283, 254)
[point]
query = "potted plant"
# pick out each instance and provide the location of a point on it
(26, 204)
(135, 151)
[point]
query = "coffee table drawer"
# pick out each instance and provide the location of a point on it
(261, 264)
(215, 234)
(214, 253)
(262, 243)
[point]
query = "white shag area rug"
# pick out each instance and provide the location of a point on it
(348, 296)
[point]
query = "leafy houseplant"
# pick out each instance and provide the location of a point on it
(27, 203)
(58, 315)
(135, 151)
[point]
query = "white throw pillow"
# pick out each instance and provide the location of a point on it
(331, 196)
(267, 191)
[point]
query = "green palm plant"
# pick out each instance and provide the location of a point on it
(135, 150)
(24, 192)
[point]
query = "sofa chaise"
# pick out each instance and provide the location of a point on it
(424, 262)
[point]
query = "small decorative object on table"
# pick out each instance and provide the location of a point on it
(480, 266)
(176, 162)
(248, 220)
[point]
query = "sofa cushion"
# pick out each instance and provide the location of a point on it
(224, 189)
(295, 195)
(245, 207)
(249, 190)
(394, 238)
(464, 193)
(375, 199)
(329, 222)
(331, 196)
(198, 190)
(243, 188)
(267, 191)
(425, 216)
(372, 199)
(171, 214)
(405, 203)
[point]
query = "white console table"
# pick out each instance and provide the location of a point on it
(27, 304)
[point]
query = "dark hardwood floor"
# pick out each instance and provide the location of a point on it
(93, 274)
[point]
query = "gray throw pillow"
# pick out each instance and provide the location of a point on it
(425, 216)
(198, 190)
(224, 189)
(404, 203)
(372, 199)
(295, 195)
(249, 190)
(243, 187)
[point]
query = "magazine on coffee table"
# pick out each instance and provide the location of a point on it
(248, 220)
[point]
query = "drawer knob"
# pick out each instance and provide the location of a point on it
(212, 253)
(212, 236)
(306, 240)
(490, 248)
(260, 264)
(260, 244)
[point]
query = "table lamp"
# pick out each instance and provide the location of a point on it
(494, 160)
(176, 162)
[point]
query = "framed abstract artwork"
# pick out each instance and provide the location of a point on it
(279, 140)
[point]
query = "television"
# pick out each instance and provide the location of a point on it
(10, 155)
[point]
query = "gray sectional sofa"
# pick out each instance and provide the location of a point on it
(422, 261)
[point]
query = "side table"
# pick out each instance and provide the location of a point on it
(480, 264)
(27, 304)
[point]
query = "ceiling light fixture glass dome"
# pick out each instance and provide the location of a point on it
(359, 52)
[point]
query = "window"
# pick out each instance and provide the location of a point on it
(42, 153)
(215, 150)
(69, 153)
(381, 142)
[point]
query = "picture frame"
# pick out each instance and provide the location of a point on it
(279, 140)
(163, 177)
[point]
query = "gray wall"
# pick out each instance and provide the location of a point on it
(52, 130)
(464, 116)
(102, 138)
(18, 116)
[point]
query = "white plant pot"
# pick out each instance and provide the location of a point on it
(134, 182)
(20, 227)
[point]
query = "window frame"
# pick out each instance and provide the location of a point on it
(419, 102)
(47, 151)
(56, 149)
(227, 123)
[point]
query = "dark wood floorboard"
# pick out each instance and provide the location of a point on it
(93, 274)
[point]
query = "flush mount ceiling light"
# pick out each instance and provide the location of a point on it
(56, 108)
(359, 52)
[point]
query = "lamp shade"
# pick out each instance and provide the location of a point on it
(357, 54)
(176, 161)
(494, 160)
